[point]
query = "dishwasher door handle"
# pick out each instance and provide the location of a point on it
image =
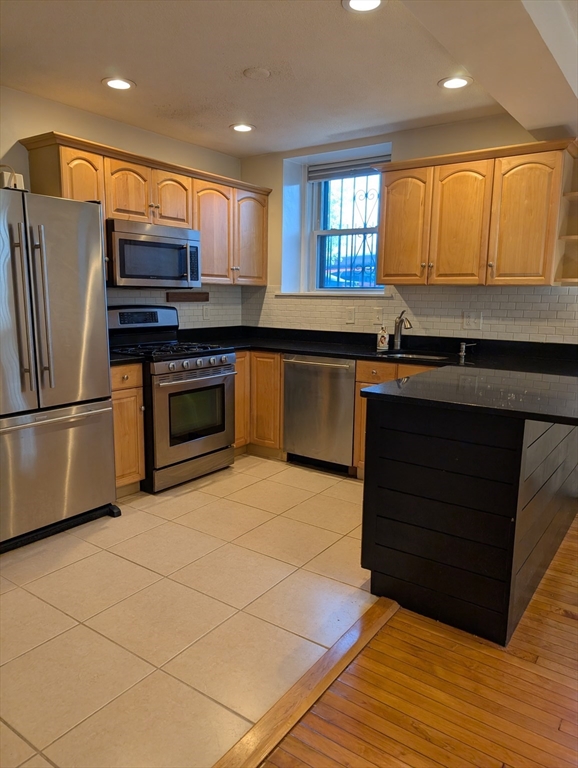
(318, 365)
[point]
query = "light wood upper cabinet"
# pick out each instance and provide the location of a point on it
(172, 199)
(128, 190)
(461, 204)
(404, 226)
(242, 399)
(250, 242)
(230, 214)
(523, 230)
(213, 208)
(266, 399)
(82, 175)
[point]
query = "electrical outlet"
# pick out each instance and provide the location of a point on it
(350, 315)
(377, 316)
(472, 320)
(206, 313)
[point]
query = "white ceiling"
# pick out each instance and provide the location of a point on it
(335, 75)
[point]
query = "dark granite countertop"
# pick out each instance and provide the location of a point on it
(527, 395)
(557, 359)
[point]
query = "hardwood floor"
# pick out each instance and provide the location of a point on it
(423, 694)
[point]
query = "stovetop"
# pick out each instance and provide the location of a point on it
(153, 352)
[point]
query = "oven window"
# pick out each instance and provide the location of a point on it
(196, 414)
(142, 259)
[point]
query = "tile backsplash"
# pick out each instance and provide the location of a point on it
(519, 313)
(225, 306)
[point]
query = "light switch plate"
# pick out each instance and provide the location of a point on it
(350, 315)
(472, 320)
(378, 316)
(206, 314)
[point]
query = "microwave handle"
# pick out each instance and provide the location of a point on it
(188, 257)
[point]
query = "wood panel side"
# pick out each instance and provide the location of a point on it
(242, 399)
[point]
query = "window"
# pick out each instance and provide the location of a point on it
(330, 221)
(345, 237)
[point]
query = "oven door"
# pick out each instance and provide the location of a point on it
(148, 260)
(192, 418)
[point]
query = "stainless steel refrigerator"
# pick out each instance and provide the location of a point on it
(56, 432)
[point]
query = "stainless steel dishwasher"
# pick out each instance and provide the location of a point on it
(319, 396)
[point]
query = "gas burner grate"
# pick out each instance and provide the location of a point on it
(160, 352)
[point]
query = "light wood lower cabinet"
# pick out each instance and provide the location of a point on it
(266, 399)
(242, 399)
(368, 374)
(127, 408)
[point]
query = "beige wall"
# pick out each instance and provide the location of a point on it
(24, 115)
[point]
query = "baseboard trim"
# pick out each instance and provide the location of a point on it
(266, 734)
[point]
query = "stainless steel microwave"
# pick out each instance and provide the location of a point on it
(149, 255)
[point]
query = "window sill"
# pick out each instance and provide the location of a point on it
(334, 294)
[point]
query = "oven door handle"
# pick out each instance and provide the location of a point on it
(190, 381)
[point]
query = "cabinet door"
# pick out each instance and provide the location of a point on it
(242, 399)
(172, 198)
(460, 223)
(266, 399)
(524, 218)
(128, 435)
(82, 175)
(250, 244)
(404, 225)
(367, 373)
(128, 190)
(213, 207)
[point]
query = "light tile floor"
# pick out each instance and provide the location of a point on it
(157, 639)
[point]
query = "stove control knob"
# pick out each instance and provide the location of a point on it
(213, 360)
(199, 362)
(186, 363)
(172, 366)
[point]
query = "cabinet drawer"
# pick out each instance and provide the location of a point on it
(375, 373)
(126, 376)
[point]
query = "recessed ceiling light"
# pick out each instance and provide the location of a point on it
(455, 82)
(119, 83)
(360, 6)
(242, 127)
(257, 73)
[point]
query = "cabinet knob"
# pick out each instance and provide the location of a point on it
(422, 265)
(151, 205)
(374, 373)
(125, 377)
(157, 206)
(142, 407)
(491, 264)
(430, 265)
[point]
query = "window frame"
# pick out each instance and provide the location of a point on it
(314, 203)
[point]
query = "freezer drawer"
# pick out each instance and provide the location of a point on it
(319, 395)
(54, 465)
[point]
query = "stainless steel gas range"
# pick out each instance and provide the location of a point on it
(189, 395)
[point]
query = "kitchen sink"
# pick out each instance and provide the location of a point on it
(409, 356)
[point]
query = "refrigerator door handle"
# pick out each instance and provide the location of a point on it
(41, 422)
(41, 246)
(27, 369)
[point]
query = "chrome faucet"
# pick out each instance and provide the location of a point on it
(463, 346)
(401, 322)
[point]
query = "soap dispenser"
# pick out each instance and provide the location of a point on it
(382, 339)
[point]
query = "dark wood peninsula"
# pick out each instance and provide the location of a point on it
(470, 486)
